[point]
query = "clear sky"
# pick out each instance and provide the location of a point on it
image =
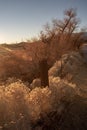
(22, 19)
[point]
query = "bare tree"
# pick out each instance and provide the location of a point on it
(47, 34)
(63, 31)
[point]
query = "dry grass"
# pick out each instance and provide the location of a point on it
(62, 106)
(51, 108)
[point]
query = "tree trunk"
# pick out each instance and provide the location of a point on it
(44, 73)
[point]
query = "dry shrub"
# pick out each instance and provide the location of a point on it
(66, 65)
(13, 109)
(19, 104)
(39, 102)
(37, 108)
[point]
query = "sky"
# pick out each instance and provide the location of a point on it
(24, 19)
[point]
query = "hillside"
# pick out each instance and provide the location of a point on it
(61, 106)
(70, 91)
(74, 70)
(14, 58)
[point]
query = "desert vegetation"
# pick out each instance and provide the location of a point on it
(25, 103)
(29, 106)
